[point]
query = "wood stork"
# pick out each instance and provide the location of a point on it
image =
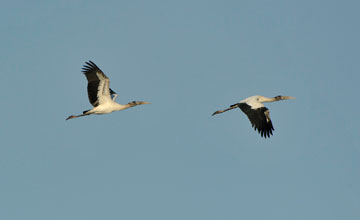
(257, 113)
(101, 96)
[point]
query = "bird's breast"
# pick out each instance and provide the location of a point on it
(105, 108)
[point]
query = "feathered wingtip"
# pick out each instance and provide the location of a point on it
(89, 66)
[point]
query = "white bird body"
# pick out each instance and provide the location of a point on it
(107, 108)
(253, 101)
(257, 113)
(101, 96)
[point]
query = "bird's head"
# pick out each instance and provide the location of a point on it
(279, 97)
(135, 103)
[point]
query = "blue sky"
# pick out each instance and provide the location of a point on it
(172, 159)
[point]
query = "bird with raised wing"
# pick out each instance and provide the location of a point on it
(101, 96)
(257, 113)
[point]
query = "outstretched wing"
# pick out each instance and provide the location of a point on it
(259, 118)
(98, 84)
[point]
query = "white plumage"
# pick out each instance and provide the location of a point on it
(257, 113)
(101, 96)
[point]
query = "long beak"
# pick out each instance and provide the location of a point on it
(287, 97)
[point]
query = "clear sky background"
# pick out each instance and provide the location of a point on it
(172, 159)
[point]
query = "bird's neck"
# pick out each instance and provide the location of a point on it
(265, 99)
(119, 107)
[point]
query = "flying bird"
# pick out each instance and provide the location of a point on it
(101, 96)
(257, 113)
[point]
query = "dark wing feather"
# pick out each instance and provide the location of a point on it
(112, 93)
(259, 118)
(92, 89)
(94, 75)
